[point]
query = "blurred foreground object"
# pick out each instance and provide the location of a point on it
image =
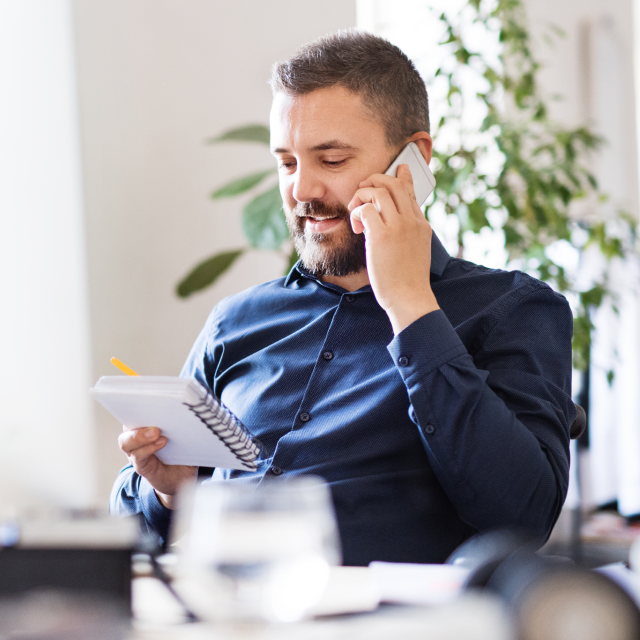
(59, 615)
(549, 598)
(71, 552)
(258, 553)
(552, 601)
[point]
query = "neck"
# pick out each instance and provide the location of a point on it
(352, 282)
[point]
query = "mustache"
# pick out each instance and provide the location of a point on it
(320, 210)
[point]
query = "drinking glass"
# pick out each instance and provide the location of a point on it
(261, 553)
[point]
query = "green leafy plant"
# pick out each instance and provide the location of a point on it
(515, 173)
(263, 221)
(520, 174)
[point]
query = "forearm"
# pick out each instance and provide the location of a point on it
(498, 440)
(132, 494)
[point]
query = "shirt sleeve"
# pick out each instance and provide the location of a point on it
(132, 495)
(495, 426)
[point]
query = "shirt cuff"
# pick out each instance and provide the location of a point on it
(424, 345)
(155, 513)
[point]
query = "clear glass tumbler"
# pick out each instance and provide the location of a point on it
(262, 553)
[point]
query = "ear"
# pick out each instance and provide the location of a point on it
(424, 142)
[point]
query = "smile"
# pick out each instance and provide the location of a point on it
(322, 225)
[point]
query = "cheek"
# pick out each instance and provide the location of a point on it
(348, 183)
(342, 188)
(286, 193)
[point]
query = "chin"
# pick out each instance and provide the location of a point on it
(337, 257)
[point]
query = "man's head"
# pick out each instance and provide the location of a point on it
(343, 108)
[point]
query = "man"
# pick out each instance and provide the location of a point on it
(432, 394)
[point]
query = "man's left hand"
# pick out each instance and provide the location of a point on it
(398, 246)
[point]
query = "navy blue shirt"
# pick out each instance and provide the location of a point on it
(458, 424)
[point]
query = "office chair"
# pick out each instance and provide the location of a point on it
(579, 424)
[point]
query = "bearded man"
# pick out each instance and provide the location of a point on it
(432, 394)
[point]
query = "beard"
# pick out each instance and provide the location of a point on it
(338, 253)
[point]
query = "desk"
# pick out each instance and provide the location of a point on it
(157, 616)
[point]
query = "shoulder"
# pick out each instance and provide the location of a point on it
(262, 296)
(241, 310)
(477, 299)
(494, 286)
(234, 314)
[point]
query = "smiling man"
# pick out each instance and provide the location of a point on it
(432, 394)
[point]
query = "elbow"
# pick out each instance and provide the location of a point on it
(539, 515)
(534, 516)
(122, 501)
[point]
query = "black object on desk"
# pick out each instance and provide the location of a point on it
(99, 571)
(548, 598)
(74, 552)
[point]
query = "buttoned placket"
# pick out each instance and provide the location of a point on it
(326, 355)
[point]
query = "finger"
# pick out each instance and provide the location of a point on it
(148, 450)
(405, 176)
(136, 438)
(133, 438)
(140, 457)
(366, 219)
(401, 191)
(380, 198)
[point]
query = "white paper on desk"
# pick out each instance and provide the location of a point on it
(159, 401)
(417, 583)
(349, 590)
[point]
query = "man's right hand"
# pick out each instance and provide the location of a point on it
(140, 446)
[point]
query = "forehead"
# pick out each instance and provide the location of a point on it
(334, 113)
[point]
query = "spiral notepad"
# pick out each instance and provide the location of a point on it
(200, 431)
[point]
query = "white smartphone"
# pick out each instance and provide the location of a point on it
(424, 181)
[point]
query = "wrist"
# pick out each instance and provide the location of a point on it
(166, 500)
(401, 316)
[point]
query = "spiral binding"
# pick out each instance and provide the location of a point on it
(228, 428)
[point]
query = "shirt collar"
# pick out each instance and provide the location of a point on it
(439, 260)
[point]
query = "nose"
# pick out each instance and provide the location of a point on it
(307, 185)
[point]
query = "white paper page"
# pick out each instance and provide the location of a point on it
(417, 583)
(349, 590)
(190, 441)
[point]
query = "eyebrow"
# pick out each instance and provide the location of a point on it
(324, 146)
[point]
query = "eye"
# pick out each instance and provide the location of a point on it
(287, 165)
(334, 163)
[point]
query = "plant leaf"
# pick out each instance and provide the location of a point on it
(240, 185)
(263, 221)
(207, 272)
(249, 133)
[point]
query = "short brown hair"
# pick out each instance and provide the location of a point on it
(388, 82)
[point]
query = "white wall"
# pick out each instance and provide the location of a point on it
(156, 78)
(46, 419)
(592, 69)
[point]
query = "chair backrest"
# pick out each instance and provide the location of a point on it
(579, 424)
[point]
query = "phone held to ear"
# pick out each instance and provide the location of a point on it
(423, 180)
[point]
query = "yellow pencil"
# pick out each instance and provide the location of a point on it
(123, 367)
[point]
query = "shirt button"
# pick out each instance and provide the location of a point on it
(327, 355)
(277, 471)
(403, 361)
(429, 429)
(349, 298)
(304, 417)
